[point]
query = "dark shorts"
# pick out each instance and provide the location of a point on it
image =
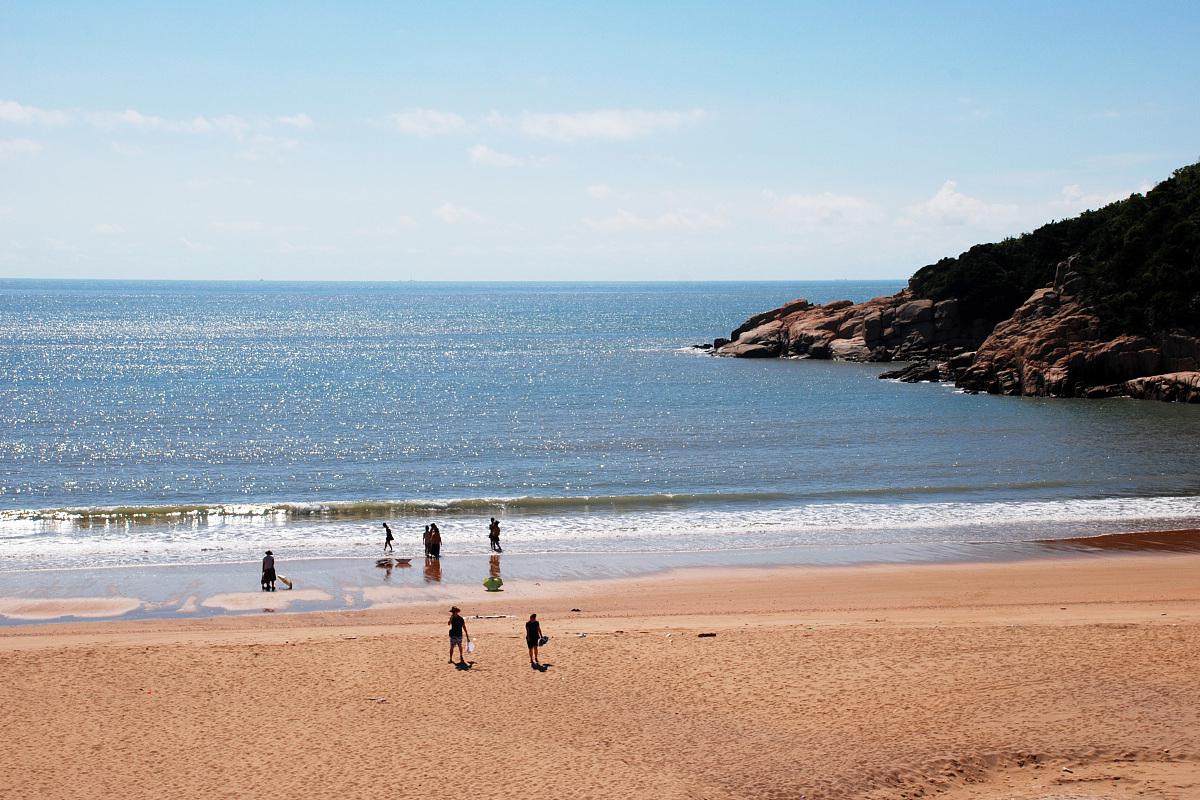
(268, 575)
(531, 641)
(455, 639)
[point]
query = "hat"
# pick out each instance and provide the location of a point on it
(270, 553)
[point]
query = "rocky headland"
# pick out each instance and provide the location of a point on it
(1106, 304)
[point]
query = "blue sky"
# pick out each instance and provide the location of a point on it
(569, 141)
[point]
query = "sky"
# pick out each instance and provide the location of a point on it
(572, 141)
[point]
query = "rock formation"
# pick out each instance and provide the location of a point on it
(894, 328)
(1051, 346)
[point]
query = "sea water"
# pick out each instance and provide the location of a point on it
(148, 423)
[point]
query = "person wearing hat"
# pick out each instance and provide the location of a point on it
(268, 575)
(458, 629)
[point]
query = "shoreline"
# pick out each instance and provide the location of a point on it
(982, 681)
(360, 585)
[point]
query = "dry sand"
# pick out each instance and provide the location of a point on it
(1071, 678)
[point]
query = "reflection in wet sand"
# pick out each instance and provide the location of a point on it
(388, 564)
(433, 570)
(494, 566)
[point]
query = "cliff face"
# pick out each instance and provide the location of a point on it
(1102, 305)
(1053, 346)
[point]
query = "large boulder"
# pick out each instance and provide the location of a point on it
(1180, 387)
(896, 326)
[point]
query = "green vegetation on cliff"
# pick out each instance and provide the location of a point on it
(1140, 258)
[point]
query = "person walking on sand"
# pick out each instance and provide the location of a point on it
(268, 572)
(494, 535)
(458, 630)
(533, 638)
(435, 541)
(387, 539)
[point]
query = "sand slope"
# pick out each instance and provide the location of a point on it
(974, 681)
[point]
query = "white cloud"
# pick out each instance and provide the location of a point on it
(482, 154)
(239, 226)
(427, 122)
(599, 191)
(59, 246)
(19, 147)
(268, 147)
(948, 206)
(12, 111)
(679, 220)
(228, 124)
(400, 223)
(195, 247)
(1074, 200)
(823, 208)
(296, 120)
(109, 229)
(453, 215)
(607, 124)
(288, 248)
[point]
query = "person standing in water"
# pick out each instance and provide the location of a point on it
(533, 636)
(435, 541)
(494, 535)
(458, 630)
(268, 572)
(387, 539)
(425, 539)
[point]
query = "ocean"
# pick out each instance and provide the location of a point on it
(168, 423)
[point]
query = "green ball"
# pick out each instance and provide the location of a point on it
(492, 584)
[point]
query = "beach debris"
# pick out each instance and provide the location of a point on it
(268, 611)
(576, 610)
(378, 699)
(1068, 769)
(581, 635)
(490, 616)
(706, 635)
(349, 638)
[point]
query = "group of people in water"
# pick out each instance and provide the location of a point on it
(432, 539)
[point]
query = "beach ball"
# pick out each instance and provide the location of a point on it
(492, 584)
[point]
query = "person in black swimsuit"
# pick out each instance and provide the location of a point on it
(387, 539)
(268, 573)
(533, 636)
(494, 535)
(458, 629)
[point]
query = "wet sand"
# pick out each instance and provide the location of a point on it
(1064, 677)
(365, 582)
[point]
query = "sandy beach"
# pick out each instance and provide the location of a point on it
(1048, 679)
